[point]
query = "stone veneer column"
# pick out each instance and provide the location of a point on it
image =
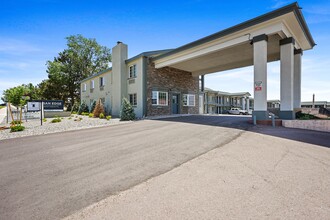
(297, 79)
(260, 77)
(287, 65)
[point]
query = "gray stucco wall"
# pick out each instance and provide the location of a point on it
(98, 92)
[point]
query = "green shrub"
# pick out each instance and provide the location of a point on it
(74, 113)
(127, 111)
(108, 117)
(91, 115)
(83, 108)
(16, 122)
(85, 113)
(304, 116)
(101, 115)
(56, 120)
(17, 127)
(44, 120)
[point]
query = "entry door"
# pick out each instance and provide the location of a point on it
(175, 104)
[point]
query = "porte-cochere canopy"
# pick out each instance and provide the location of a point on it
(279, 35)
(232, 48)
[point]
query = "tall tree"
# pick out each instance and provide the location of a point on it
(82, 58)
(20, 94)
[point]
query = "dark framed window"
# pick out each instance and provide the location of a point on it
(102, 81)
(132, 71)
(133, 99)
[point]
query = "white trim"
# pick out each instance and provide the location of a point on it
(210, 49)
(189, 98)
(157, 99)
(134, 71)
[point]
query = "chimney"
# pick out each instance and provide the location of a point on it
(119, 76)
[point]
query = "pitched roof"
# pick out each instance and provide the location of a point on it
(294, 7)
(96, 74)
(149, 54)
(144, 54)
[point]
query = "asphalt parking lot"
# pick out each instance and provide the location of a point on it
(53, 176)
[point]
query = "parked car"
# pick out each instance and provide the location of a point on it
(237, 111)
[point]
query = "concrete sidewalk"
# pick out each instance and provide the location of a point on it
(256, 176)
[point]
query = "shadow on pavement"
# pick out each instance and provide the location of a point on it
(242, 123)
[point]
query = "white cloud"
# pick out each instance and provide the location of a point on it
(13, 64)
(317, 19)
(317, 13)
(16, 47)
(22, 65)
(11, 82)
(244, 74)
(318, 9)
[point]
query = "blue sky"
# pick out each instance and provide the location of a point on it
(34, 31)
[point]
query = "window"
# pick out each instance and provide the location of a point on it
(102, 81)
(159, 98)
(132, 99)
(84, 87)
(92, 84)
(188, 100)
(132, 71)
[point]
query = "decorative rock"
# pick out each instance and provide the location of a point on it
(33, 127)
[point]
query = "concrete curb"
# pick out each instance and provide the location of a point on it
(166, 116)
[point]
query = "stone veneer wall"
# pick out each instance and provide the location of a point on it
(316, 125)
(171, 80)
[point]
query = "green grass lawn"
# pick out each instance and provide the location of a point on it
(2, 107)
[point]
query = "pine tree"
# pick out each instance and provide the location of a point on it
(99, 108)
(127, 112)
